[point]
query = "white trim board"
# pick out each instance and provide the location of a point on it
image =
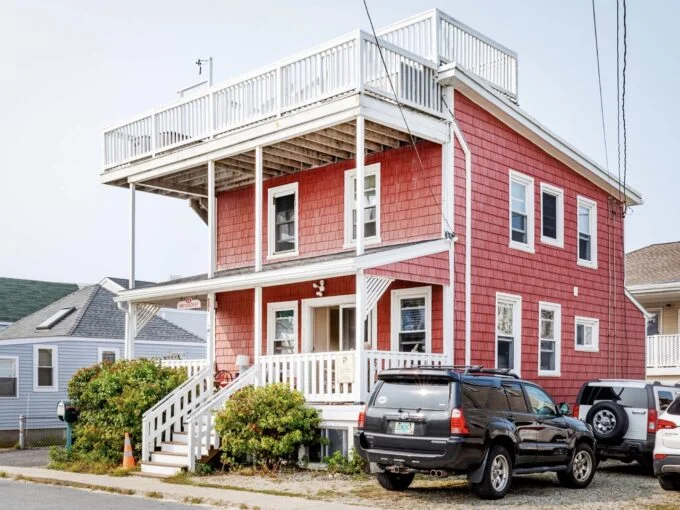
(49, 339)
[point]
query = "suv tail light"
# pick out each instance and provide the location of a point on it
(458, 423)
(362, 419)
(665, 424)
(575, 411)
(651, 421)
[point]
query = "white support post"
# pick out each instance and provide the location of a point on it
(257, 324)
(212, 305)
(359, 158)
(130, 331)
(258, 208)
(360, 373)
(131, 283)
(211, 220)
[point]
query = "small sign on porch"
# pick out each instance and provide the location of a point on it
(189, 304)
(344, 368)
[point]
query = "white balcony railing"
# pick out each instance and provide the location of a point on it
(663, 352)
(192, 366)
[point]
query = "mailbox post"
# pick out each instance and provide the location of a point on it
(66, 412)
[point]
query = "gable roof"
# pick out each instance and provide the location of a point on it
(19, 298)
(654, 264)
(96, 315)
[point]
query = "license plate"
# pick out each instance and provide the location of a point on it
(404, 428)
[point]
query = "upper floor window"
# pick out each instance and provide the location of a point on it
(44, 368)
(654, 321)
(587, 334)
(549, 338)
(552, 215)
(521, 211)
(371, 205)
(9, 368)
(508, 331)
(412, 319)
(282, 327)
(283, 220)
(587, 232)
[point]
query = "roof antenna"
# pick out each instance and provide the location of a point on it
(200, 62)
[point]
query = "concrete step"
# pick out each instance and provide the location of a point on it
(183, 437)
(159, 469)
(175, 459)
(183, 448)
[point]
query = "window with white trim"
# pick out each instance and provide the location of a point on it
(9, 378)
(587, 232)
(587, 334)
(282, 327)
(371, 205)
(282, 219)
(552, 215)
(45, 376)
(654, 321)
(521, 220)
(549, 339)
(508, 331)
(108, 355)
(412, 319)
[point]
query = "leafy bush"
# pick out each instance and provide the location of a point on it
(351, 465)
(266, 426)
(111, 399)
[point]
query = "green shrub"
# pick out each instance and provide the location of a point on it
(350, 465)
(111, 399)
(266, 426)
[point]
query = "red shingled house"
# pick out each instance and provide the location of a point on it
(488, 241)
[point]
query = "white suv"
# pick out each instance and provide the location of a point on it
(623, 414)
(667, 448)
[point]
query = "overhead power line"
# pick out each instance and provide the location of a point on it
(599, 80)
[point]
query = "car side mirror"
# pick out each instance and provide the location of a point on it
(565, 410)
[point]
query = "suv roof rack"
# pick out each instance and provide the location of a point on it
(470, 369)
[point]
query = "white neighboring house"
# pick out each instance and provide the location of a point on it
(40, 353)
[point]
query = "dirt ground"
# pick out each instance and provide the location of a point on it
(616, 486)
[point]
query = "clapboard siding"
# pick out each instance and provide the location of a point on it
(72, 355)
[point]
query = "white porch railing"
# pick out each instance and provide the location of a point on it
(167, 416)
(192, 366)
(663, 352)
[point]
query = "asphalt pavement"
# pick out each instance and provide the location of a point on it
(34, 457)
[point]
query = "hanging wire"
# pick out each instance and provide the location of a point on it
(599, 80)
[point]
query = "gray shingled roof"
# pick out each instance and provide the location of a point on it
(96, 316)
(19, 298)
(657, 263)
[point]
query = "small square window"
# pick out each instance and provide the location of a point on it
(587, 334)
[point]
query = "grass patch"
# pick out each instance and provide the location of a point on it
(154, 495)
(76, 485)
(3, 474)
(193, 500)
(119, 472)
(72, 462)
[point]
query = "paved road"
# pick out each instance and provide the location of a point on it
(33, 496)
(34, 457)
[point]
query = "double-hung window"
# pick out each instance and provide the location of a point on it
(412, 319)
(283, 220)
(521, 211)
(9, 369)
(45, 376)
(587, 232)
(587, 334)
(282, 327)
(552, 215)
(508, 331)
(371, 205)
(549, 338)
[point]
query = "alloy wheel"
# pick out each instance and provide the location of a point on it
(583, 466)
(604, 421)
(500, 473)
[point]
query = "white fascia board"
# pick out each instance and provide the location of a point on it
(304, 272)
(637, 304)
(268, 132)
(55, 339)
(527, 126)
(653, 288)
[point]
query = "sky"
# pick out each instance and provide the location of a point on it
(70, 68)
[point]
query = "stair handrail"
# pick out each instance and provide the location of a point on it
(200, 423)
(174, 408)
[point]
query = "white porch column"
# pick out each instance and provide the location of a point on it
(212, 227)
(258, 209)
(257, 324)
(360, 156)
(360, 373)
(210, 347)
(130, 331)
(131, 283)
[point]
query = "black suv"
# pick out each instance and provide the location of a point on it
(487, 424)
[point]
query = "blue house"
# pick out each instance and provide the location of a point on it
(40, 353)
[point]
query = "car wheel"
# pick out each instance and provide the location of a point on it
(609, 421)
(395, 481)
(497, 475)
(669, 483)
(582, 470)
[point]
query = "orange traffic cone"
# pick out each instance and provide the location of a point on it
(128, 459)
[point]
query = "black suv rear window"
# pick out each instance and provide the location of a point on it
(627, 397)
(431, 395)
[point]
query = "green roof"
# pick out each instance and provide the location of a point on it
(19, 298)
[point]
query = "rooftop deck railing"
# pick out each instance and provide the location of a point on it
(663, 352)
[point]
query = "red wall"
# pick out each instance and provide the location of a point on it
(548, 275)
(409, 211)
